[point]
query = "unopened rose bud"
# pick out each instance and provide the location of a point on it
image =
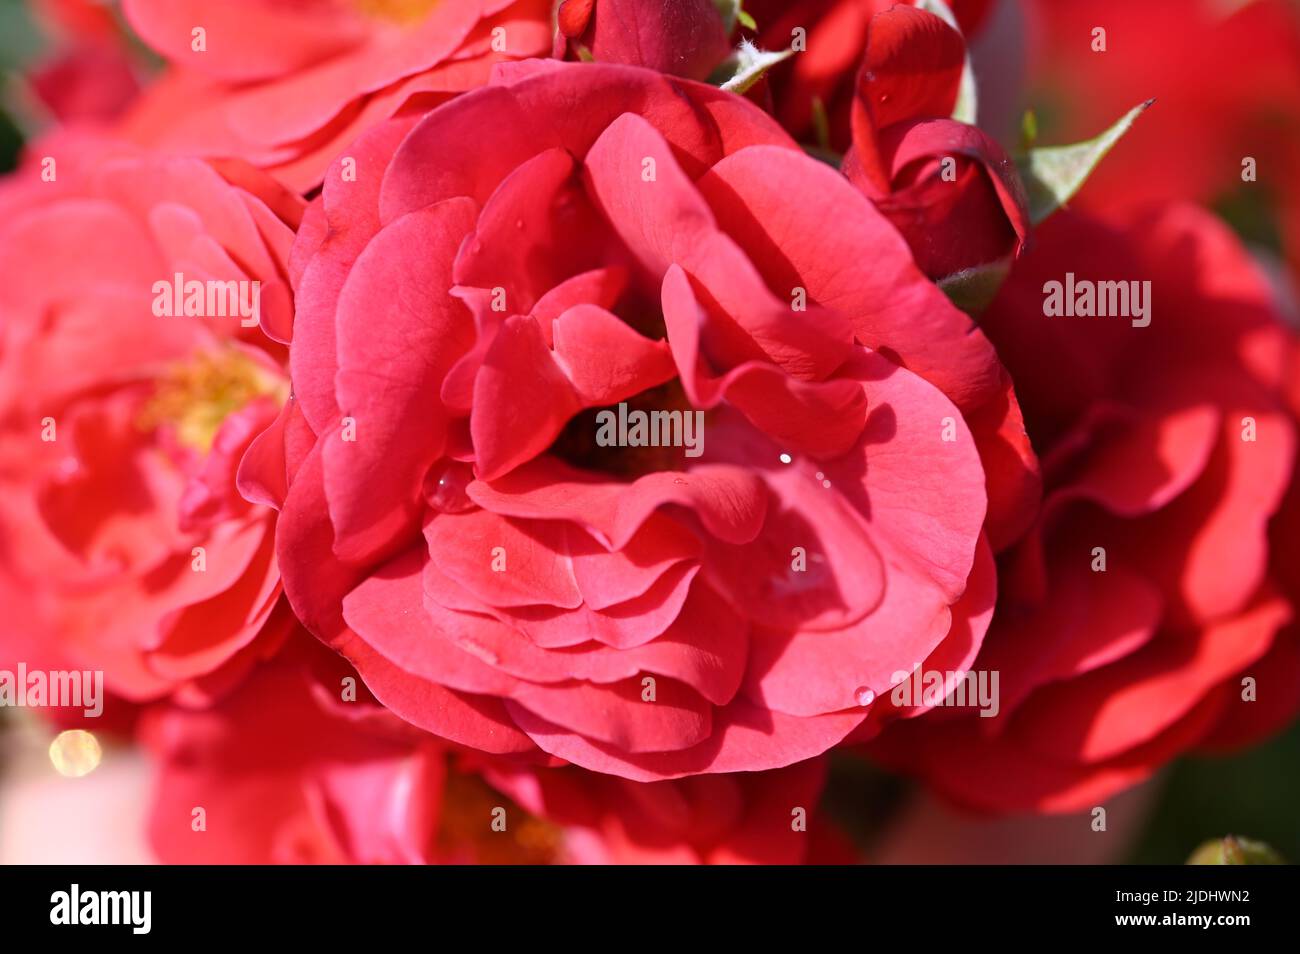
(682, 37)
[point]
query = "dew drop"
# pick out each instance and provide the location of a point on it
(786, 458)
(444, 488)
(864, 696)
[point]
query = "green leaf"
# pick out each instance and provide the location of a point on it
(967, 105)
(1234, 851)
(746, 67)
(732, 11)
(1028, 130)
(1053, 174)
(973, 289)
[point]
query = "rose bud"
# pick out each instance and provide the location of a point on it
(946, 185)
(817, 85)
(681, 37)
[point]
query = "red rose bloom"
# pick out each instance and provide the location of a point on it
(454, 526)
(1147, 589)
(286, 87)
(127, 546)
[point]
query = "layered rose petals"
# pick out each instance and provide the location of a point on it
(746, 818)
(122, 424)
(501, 578)
(301, 766)
(287, 87)
(1144, 614)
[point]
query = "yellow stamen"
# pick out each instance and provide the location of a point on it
(405, 12)
(465, 826)
(196, 396)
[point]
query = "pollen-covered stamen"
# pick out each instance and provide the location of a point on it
(404, 12)
(478, 824)
(195, 396)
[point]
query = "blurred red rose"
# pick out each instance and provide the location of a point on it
(946, 185)
(682, 37)
(83, 19)
(452, 524)
(1195, 143)
(86, 83)
(287, 87)
(91, 74)
(1148, 588)
(126, 546)
(299, 766)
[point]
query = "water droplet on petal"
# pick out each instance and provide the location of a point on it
(786, 458)
(864, 696)
(444, 488)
